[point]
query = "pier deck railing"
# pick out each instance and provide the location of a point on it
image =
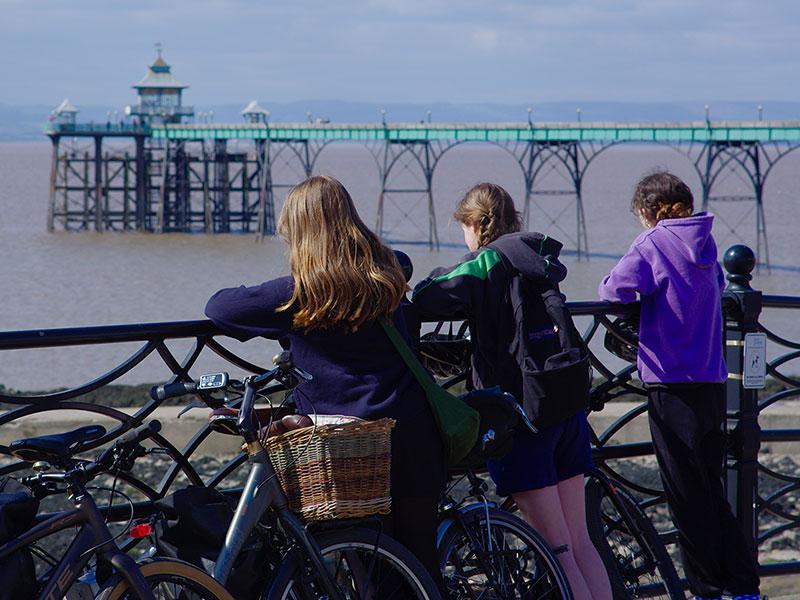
(763, 496)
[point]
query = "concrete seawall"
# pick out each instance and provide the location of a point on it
(784, 415)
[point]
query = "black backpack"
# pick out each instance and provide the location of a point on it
(553, 359)
(18, 509)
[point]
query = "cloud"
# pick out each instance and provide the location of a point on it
(484, 38)
(403, 50)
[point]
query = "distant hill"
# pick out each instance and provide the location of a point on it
(25, 122)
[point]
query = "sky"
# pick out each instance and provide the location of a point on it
(459, 51)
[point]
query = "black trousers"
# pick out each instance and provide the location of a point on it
(686, 424)
(419, 474)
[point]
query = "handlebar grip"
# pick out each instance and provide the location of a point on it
(134, 436)
(141, 433)
(172, 390)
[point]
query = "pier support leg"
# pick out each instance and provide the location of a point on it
(51, 205)
(417, 153)
(208, 206)
(752, 162)
(98, 184)
(570, 160)
(266, 200)
(221, 186)
(141, 197)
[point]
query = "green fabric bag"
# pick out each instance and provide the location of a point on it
(458, 423)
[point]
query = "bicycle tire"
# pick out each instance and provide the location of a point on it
(632, 575)
(538, 574)
(161, 573)
(416, 581)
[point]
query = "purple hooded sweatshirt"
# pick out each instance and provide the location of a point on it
(674, 268)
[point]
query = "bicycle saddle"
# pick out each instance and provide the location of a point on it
(57, 445)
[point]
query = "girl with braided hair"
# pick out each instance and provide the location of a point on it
(544, 471)
(673, 268)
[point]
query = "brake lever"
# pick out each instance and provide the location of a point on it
(190, 406)
(156, 450)
(304, 375)
(127, 458)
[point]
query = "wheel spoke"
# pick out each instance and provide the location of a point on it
(509, 564)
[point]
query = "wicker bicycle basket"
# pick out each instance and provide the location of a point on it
(335, 471)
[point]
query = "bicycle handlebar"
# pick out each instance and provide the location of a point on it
(126, 442)
(141, 433)
(104, 462)
(172, 390)
(285, 372)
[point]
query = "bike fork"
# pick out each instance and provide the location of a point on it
(310, 550)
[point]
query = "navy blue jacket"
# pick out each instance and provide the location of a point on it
(355, 373)
(476, 289)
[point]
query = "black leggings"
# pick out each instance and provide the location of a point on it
(686, 426)
(413, 523)
(418, 477)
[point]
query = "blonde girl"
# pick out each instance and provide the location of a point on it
(343, 279)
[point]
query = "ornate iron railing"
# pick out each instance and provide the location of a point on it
(764, 497)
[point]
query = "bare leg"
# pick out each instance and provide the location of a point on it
(573, 503)
(542, 510)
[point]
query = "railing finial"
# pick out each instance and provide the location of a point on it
(739, 262)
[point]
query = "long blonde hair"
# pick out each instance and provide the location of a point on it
(343, 275)
(491, 208)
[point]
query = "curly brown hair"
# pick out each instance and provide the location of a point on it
(662, 195)
(491, 208)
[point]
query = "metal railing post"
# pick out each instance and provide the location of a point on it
(742, 307)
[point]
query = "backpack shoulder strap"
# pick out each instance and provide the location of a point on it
(555, 304)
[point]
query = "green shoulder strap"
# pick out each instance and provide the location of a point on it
(458, 423)
(412, 361)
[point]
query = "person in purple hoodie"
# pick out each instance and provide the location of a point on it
(673, 268)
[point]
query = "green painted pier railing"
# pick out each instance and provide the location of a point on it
(697, 131)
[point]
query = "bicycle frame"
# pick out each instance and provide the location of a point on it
(613, 493)
(261, 492)
(93, 538)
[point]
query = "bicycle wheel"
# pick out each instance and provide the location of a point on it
(513, 561)
(361, 569)
(169, 579)
(635, 557)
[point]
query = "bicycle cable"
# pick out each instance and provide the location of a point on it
(301, 453)
(127, 525)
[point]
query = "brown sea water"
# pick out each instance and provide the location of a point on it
(75, 279)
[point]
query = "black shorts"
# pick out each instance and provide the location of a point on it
(540, 460)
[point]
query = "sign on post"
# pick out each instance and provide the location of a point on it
(754, 374)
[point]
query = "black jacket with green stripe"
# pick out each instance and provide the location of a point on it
(476, 289)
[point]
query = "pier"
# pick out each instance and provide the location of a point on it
(182, 176)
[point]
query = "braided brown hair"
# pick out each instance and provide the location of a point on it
(662, 195)
(491, 208)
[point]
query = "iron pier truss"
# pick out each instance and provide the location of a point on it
(218, 178)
